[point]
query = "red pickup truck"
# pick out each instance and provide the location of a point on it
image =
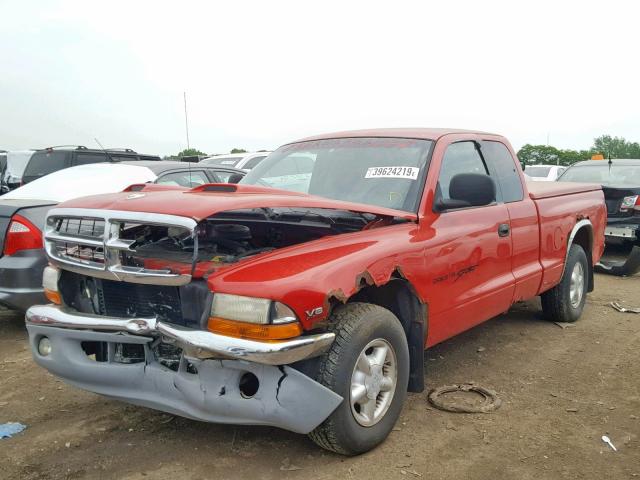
(303, 297)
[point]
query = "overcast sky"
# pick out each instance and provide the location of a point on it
(259, 74)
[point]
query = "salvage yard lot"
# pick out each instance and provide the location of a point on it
(562, 389)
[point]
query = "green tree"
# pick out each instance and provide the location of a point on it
(535, 154)
(238, 150)
(616, 147)
(189, 152)
(547, 154)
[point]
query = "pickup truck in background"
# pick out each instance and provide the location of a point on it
(308, 306)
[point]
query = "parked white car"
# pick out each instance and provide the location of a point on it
(242, 161)
(543, 173)
(16, 161)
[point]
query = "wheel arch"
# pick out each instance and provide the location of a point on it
(400, 297)
(582, 234)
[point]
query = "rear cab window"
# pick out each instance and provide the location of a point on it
(45, 162)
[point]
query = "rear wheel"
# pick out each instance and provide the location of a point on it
(565, 301)
(368, 365)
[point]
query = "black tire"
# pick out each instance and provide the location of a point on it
(355, 326)
(556, 303)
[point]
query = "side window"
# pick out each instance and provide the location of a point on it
(87, 158)
(503, 164)
(461, 157)
(253, 162)
(184, 178)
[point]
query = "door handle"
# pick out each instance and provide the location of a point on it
(503, 230)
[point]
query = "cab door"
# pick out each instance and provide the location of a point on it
(523, 218)
(468, 260)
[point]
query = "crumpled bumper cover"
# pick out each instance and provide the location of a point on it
(285, 398)
(196, 343)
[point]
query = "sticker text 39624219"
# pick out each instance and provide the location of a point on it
(393, 172)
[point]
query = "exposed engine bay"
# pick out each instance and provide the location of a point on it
(228, 237)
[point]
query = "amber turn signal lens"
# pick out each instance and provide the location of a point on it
(253, 331)
(53, 296)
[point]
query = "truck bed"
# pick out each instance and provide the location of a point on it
(539, 190)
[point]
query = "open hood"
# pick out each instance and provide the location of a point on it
(207, 200)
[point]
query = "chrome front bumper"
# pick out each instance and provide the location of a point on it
(207, 383)
(195, 343)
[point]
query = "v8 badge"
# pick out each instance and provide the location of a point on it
(314, 312)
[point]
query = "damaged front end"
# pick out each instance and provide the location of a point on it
(194, 374)
(137, 321)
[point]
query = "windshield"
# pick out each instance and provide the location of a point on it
(628, 175)
(538, 172)
(387, 172)
(228, 161)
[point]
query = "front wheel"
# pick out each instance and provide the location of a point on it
(368, 365)
(565, 301)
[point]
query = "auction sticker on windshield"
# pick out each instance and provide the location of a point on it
(393, 172)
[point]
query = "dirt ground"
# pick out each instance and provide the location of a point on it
(562, 389)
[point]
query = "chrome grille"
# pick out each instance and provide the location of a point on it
(81, 254)
(81, 227)
(87, 242)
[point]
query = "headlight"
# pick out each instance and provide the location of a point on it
(253, 318)
(250, 309)
(242, 309)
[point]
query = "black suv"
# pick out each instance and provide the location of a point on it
(52, 159)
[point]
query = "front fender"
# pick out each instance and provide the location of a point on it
(308, 276)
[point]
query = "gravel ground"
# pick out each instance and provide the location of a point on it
(561, 389)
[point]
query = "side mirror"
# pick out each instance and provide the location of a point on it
(468, 190)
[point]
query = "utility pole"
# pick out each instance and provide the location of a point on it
(186, 119)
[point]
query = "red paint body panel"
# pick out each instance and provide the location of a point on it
(198, 204)
(455, 261)
(558, 215)
(540, 190)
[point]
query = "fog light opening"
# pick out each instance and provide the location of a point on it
(249, 385)
(44, 347)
